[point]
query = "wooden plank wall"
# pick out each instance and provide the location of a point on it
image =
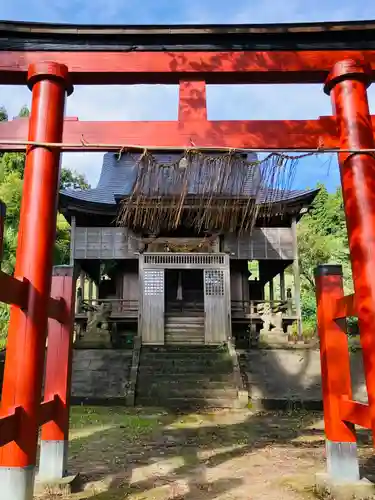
(130, 281)
(239, 280)
(236, 290)
(272, 243)
(121, 243)
(105, 243)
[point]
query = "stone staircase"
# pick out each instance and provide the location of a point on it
(186, 377)
(184, 329)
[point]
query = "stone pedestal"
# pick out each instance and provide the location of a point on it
(96, 338)
(62, 487)
(274, 336)
(326, 487)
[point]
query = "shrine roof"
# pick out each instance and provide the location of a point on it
(343, 35)
(118, 176)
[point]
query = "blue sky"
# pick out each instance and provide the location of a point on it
(160, 102)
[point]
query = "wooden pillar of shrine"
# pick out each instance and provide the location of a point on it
(91, 290)
(282, 286)
(297, 279)
(82, 283)
(272, 294)
(72, 239)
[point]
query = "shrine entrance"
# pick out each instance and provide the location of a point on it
(190, 285)
(183, 289)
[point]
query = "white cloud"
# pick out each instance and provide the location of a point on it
(139, 102)
(134, 102)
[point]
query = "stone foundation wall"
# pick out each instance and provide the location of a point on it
(292, 374)
(101, 374)
(271, 375)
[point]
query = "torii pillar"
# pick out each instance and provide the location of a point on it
(347, 84)
(25, 356)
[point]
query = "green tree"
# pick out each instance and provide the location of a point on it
(322, 238)
(3, 114)
(72, 180)
(24, 112)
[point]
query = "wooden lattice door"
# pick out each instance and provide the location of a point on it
(217, 305)
(152, 310)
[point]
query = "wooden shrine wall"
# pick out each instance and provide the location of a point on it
(105, 243)
(122, 243)
(273, 243)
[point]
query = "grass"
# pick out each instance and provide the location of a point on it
(87, 416)
(114, 425)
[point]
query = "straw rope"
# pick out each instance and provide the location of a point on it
(208, 189)
(136, 147)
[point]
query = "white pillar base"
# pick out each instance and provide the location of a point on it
(17, 483)
(53, 460)
(342, 461)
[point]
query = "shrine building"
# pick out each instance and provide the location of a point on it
(163, 245)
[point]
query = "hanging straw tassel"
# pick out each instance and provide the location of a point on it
(217, 192)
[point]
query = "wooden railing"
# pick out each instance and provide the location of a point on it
(115, 306)
(249, 308)
(260, 307)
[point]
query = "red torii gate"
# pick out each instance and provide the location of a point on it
(50, 74)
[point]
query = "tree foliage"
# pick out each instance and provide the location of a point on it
(322, 239)
(12, 167)
(72, 180)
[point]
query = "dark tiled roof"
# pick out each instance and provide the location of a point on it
(117, 178)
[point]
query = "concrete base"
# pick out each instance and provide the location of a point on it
(53, 460)
(342, 461)
(62, 487)
(326, 487)
(17, 483)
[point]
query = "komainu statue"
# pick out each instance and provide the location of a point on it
(97, 330)
(272, 316)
